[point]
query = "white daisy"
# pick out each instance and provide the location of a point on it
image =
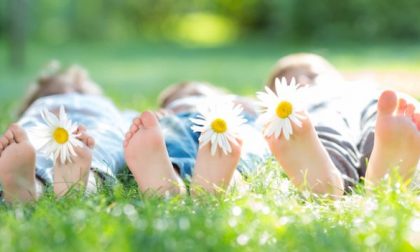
(219, 122)
(280, 109)
(56, 138)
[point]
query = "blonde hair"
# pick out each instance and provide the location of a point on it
(53, 79)
(187, 89)
(304, 67)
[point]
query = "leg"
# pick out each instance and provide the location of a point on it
(108, 156)
(75, 173)
(397, 139)
(17, 165)
(214, 173)
(306, 161)
(147, 157)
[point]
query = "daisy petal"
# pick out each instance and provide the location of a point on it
(63, 115)
(288, 127)
(296, 121)
(213, 149)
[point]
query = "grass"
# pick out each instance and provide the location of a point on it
(269, 215)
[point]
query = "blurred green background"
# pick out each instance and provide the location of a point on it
(215, 20)
(134, 48)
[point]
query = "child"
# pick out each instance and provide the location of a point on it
(346, 125)
(24, 173)
(172, 152)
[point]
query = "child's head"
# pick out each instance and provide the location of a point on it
(55, 80)
(306, 68)
(187, 89)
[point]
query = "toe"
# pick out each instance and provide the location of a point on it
(91, 142)
(409, 112)
(128, 136)
(239, 141)
(237, 147)
(148, 119)
(416, 118)
(84, 138)
(4, 141)
(9, 136)
(81, 129)
(137, 121)
(402, 106)
(387, 102)
(134, 128)
(19, 133)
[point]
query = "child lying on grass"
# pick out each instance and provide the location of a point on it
(346, 126)
(24, 172)
(160, 152)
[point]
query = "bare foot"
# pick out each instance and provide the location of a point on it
(147, 157)
(75, 174)
(397, 139)
(17, 166)
(306, 161)
(214, 173)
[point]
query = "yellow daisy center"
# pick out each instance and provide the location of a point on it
(219, 125)
(284, 109)
(61, 135)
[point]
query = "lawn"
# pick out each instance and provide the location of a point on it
(269, 215)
